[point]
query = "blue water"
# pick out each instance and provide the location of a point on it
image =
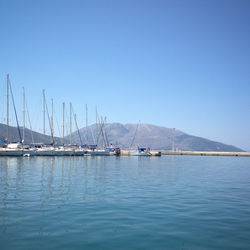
(170, 202)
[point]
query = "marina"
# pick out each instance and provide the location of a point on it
(82, 152)
(22, 148)
(124, 125)
(101, 145)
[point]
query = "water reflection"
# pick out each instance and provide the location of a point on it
(62, 180)
(53, 179)
(77, 202)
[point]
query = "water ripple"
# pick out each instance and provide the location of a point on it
(172, 202)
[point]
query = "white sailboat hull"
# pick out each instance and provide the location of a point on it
(99, 152)
(68, 152)
(11, 152)
(44, 152)
(79, 152)
(31, 152)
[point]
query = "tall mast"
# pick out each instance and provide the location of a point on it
(44, 112)
(87, 124)
(7, 92)
(70, 122)
(104, 132)
(96, 130)
(31, 130)
(63, 124)
(23, 114)
(14, 106)
(78, 130)
(49, 120)
(173, 140)
(52, 111)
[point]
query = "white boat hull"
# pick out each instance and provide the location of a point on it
(44, 152)
(79, 152)
(99, 152)
(68, 152)
(31, 152)
(11, 152)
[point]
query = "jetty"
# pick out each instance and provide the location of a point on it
(195, 153)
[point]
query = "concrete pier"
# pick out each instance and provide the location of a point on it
(205, 153)
(198, 153)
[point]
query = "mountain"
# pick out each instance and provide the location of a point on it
(155, 137)
(123, 135)
(14, 136)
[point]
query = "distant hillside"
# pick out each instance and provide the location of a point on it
(152, 136)
(147, 135)
(13, 135)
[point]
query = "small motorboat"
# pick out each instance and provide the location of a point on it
(141, 152)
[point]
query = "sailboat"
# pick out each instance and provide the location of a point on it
(46, 150)
(12, 149)
(15, 148)
(141, 151)
(64, 150)
(27, 150)
(108, 149)
(79, 150)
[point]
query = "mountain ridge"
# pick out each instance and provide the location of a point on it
(123, 135)
(153, 136)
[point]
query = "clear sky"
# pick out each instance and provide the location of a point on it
(180, 63)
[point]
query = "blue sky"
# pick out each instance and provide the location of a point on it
(182, 64)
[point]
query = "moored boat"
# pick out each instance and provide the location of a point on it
(99, 152)
(30, 152)
(113, 151)
(68, 151)
(45, 151)
(107, 151)
(79, 152)
(141, 152)
(12, 149)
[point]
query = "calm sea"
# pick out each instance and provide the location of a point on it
(170, 202)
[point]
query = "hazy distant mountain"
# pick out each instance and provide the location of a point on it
(14, 136)
(152, 136)
(147, 135)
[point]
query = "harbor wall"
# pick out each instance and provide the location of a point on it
(198, 153)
